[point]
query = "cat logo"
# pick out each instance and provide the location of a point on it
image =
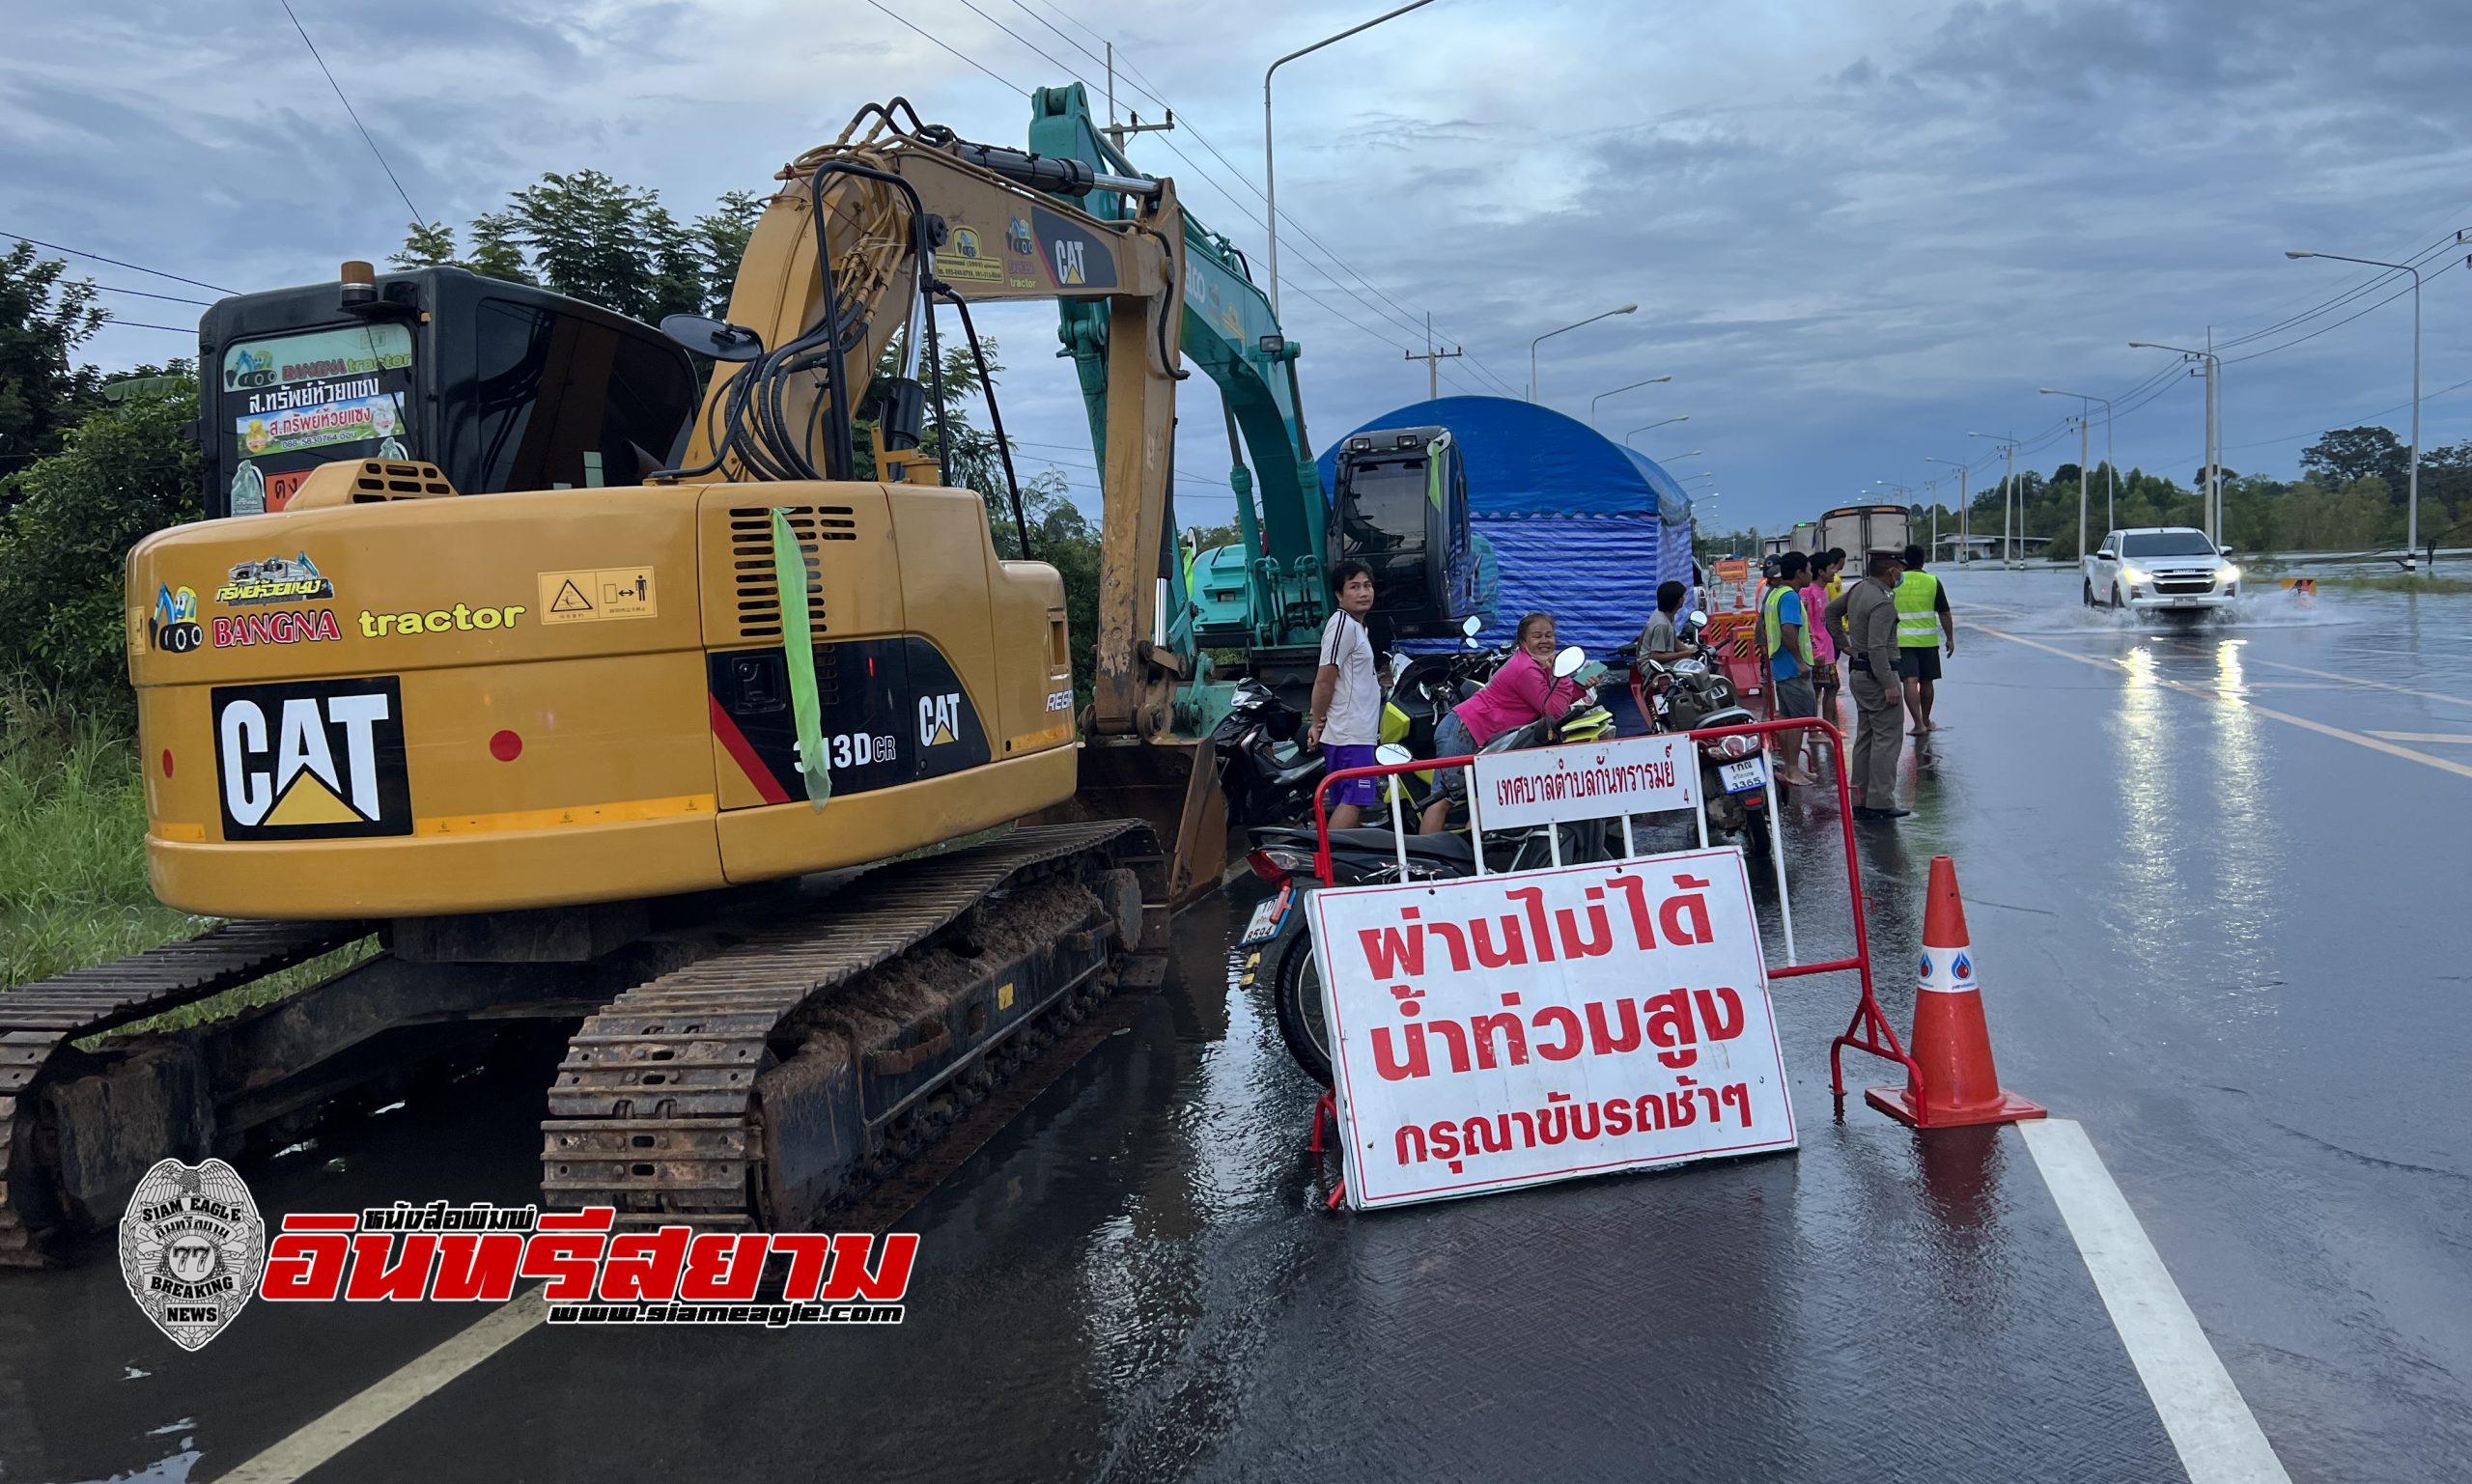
(940, 720)
(1068, 264)
(312, 760)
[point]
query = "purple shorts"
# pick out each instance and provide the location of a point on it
(1339, 757)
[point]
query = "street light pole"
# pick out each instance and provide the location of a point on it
(2110, 475)
(1270, 176)
(1965, 512)
(1550, 334)
(1618, 391)
(2007, 493)
(2213, 413)
(1659, 422)
(2412, 505)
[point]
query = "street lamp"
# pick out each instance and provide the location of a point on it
(2214, 365)
(1702, 474)
(1965, 512)
(1550, 334)
(2007, 493)
(1270, 176)
(1617, 392)
(2111, 476)
(1678, 458)
(2412, 505)
(1659, 422)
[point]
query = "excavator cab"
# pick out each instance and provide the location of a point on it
(500, 385)
(1401, 506)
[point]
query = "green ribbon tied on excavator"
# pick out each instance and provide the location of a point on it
(792, 574)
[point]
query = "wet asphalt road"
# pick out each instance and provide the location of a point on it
(2221, 936)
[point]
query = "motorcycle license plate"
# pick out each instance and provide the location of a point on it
(1267, 913)
(1743, 776)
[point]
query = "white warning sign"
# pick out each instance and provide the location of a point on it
(611, 592)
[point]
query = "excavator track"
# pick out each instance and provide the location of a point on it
(37, 1019)
(798, 1070)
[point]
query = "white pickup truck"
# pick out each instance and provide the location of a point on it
(2162, 566)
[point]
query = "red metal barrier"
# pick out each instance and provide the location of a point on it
(1868, 1030)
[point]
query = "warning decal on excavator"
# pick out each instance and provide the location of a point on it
(611, 592)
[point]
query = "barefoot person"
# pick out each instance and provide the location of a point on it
(1924, 625)
(1346, 718)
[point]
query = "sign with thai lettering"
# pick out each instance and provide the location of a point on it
(1528, 786)
(1503, 1031)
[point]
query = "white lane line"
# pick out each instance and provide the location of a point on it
(2349, 680)
(317, 1444)
(2229, 698)
(2460, 737)
(2210, 1425)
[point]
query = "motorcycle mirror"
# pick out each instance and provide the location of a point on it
(1699, 617)
(1568, 663)
(1391, 752)
(1471, 626)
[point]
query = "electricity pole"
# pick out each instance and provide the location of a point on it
(1433, 360)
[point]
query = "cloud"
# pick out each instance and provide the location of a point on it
(1854, 231)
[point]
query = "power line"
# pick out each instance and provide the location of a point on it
(142, 293)
(117, 263)
(1403, 314)
(947, 46)
(417, 217)
(140, 325)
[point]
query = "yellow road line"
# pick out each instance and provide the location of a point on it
(2349, 680)
(2373, 744)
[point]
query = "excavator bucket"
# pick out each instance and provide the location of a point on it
(1173, 788)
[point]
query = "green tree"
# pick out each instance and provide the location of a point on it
(127, 470)
(42, 322)
(2345, 455)
(593, 237)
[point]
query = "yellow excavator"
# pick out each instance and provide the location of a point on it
(703, 759)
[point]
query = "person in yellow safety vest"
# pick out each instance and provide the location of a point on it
(1785, 641)
(1924, 627)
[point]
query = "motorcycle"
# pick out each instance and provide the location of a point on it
(1277, 949)
(1690, 694)
(1264, 770)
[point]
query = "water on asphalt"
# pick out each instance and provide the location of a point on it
(2214, 924)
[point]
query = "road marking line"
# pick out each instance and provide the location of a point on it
(2349, 680)
(2210, 1425)
(319, 1441)
(2426, 737)
(2373, 744)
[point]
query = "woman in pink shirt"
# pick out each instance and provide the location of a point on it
(1824, 676)
(1520, 693)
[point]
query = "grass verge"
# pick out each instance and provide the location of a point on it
(73, 846)
(2398, 582)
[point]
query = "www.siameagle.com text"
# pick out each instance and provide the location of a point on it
(773, 1316)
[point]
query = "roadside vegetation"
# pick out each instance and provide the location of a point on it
(2349, 497)
(91, 463)
(2398, 582)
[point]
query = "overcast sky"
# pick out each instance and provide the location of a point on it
(1855, 231)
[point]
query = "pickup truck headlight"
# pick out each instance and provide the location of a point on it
(2134, 576)
(2227, 575)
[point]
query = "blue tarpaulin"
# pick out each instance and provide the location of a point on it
(1583, 527)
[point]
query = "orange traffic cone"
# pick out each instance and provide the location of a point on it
(1951, 1044)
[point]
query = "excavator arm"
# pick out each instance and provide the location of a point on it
(833, 271)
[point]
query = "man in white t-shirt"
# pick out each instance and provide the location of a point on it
(1346, 720)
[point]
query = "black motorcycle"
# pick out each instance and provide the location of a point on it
(1690, 694)
(1265, 772)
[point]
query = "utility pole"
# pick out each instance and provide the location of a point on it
(2207, 361)
(1115, 131)
(1433, 360)
(2085, 451)
(1965, 516)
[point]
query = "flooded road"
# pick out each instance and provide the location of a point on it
(2215, 886)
